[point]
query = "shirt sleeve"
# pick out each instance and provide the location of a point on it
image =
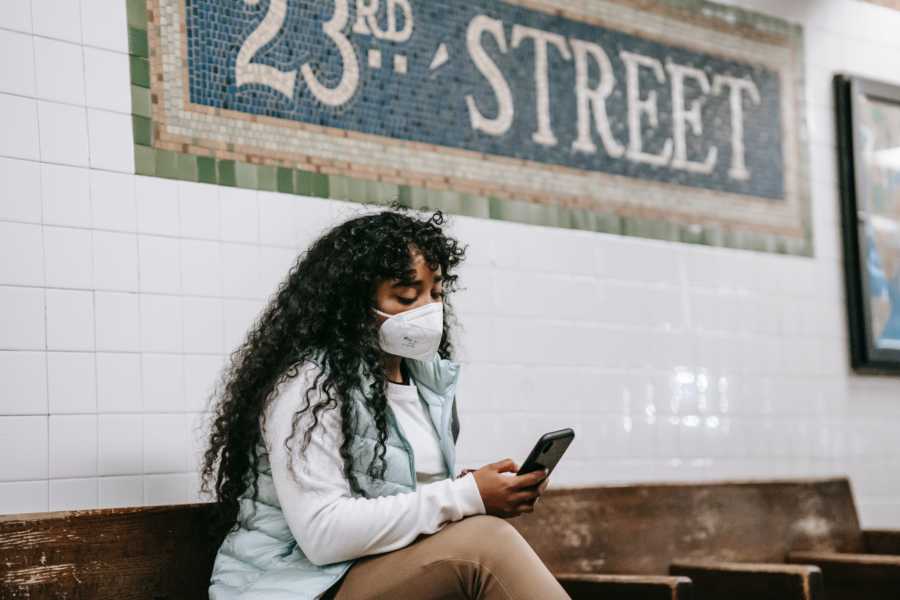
(328, 522)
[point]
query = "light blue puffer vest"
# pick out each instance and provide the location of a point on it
(261, 559)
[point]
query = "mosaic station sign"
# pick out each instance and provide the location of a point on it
(675, 122)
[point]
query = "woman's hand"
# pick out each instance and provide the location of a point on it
(508, 495)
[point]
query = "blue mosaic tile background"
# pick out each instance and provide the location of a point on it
(429, 106)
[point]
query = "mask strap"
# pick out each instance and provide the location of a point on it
(383, 314)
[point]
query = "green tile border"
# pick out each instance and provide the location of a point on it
(204, 169)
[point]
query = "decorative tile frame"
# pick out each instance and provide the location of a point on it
(371, 187)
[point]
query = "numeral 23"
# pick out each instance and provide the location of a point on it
(248, 72)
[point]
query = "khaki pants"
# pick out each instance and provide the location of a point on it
(477, 558)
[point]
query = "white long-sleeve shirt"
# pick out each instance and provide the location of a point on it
(418, 430)
(330, 524)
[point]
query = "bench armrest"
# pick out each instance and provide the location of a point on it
(582, 586)
(751, 581)
(878, 575)
(882, 541)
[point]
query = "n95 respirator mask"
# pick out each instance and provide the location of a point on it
(414, 333)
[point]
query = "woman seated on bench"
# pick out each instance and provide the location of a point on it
(332, 447)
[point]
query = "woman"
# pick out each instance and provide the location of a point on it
(332, 448)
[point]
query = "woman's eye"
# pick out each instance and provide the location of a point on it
(406, 300)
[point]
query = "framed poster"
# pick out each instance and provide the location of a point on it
(868, 119)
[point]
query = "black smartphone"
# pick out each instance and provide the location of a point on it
(547, 452)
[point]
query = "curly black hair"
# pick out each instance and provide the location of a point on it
(321, 309)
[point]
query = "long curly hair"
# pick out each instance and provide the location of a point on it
(321, 311)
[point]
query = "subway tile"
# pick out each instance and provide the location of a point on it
(59, 71)
(161, 323)
(276, 219)
(71, 382)
(240, 263)
(165, 444)
(23, 448)
(312, 218)
(22, 318)
(239, 317)
(157, 205)
(70, 320)
(112, 201)
(203, 325)
(199, 210)
(118, 382)
(73, 445)
(66, 195)
(274, 265)
(74, 494)
(240, 215)
(111, 141)
(107, 80)
(19, 124)
(23, 241)
(24, 376)
(115, 261)
(159, 264)
(68, 257)
(17, 16)
(21, 197)
(23, 497)
(63, 133)
(104, 24)
(17, 76)
(479, 236)
(120, 441)
(878, 513)
(121, 492)
(201, 372)
(60, 19)
(166, 489)
(201, 268)
(163, 382)
(118, 321)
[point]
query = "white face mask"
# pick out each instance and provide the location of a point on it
(415, 333)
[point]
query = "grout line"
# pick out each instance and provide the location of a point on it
(43, 266)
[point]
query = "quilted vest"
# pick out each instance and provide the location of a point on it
(261, 559)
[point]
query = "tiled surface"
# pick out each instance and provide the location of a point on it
(674, 362)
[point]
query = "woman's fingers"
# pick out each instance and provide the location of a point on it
(524, 496)
(529, 479)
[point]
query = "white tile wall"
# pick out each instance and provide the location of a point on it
(59, 71)
(672, 362)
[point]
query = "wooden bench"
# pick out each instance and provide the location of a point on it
(742, 540)
(738, 541)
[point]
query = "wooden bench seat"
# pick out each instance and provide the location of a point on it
(795, 539)
(792, 540)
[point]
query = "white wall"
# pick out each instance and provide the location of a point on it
(121, 295)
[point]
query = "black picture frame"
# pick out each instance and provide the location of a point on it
(865, 280)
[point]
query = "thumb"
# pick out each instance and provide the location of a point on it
(505, 466)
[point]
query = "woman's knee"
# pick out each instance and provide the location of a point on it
(491, 535)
